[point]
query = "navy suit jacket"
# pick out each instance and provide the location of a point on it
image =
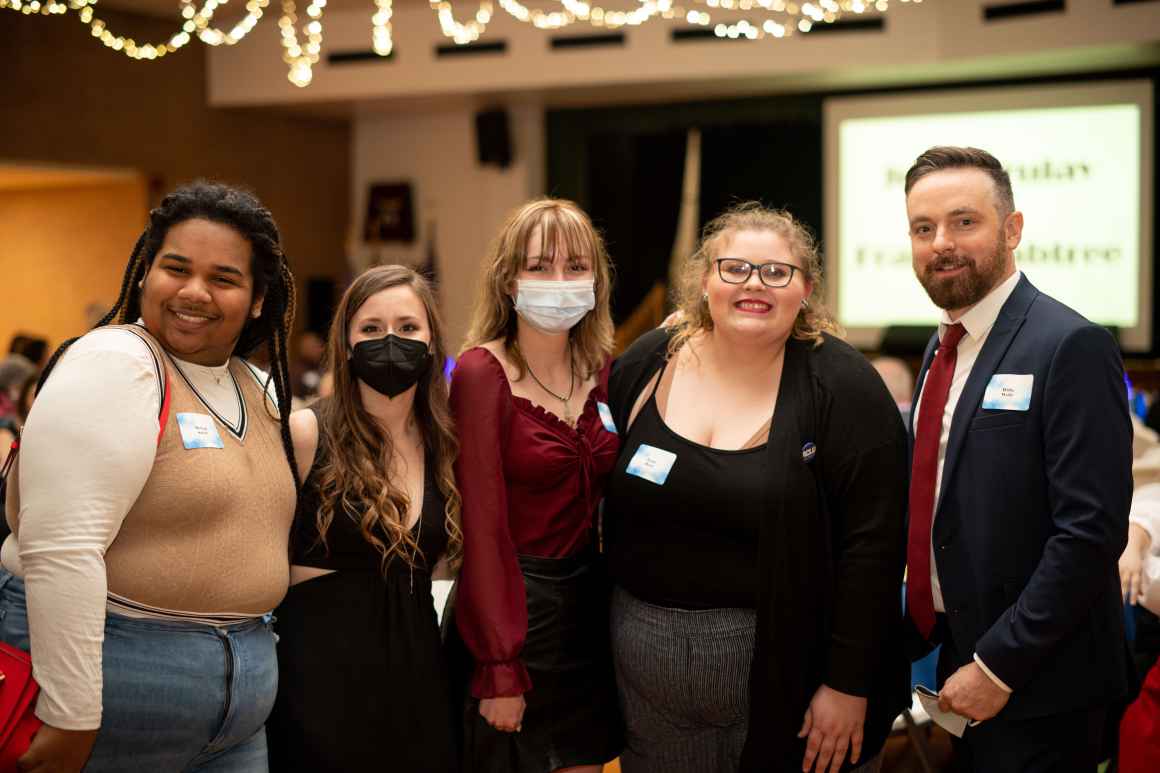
(1032, 513)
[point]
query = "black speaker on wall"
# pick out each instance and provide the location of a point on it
(493, 140)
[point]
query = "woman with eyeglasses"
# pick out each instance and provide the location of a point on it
(754, 522)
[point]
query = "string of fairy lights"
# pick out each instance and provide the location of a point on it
(301, 33)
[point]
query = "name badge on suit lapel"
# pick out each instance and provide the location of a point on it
(1009, 392)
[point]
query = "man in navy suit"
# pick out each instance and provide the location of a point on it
(1021, 484)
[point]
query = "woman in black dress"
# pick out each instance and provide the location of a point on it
(362, 679)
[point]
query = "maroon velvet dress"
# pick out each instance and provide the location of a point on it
(531, 604)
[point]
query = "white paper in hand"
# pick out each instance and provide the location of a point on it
(953, 723)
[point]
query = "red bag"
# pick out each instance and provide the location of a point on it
(1140, 729)
(18, 691)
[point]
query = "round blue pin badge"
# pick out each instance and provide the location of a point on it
(809, 451)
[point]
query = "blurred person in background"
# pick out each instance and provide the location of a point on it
(306, 367)
(33, 348)
(17, 381)
(899, 382)
(16, 373)
(1139, 731)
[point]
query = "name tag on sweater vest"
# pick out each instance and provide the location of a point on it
(198, 431)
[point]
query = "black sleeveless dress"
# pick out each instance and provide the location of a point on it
(362, 678)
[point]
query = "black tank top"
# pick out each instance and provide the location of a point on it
(346, 548)
(691, 542)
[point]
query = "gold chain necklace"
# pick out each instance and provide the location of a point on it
(571, 386)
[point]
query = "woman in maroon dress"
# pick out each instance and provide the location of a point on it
(529, 396)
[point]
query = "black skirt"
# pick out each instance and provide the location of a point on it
(363, 682)
(573, 714)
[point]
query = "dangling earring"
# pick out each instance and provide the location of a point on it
(805, 303)
(704, 297)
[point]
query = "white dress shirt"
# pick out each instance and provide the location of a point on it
(977, 321)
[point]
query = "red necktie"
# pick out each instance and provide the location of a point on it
(923, 472)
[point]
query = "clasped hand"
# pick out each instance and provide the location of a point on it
(506, 714)
(832, 726)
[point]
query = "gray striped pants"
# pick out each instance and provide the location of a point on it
(683, 677)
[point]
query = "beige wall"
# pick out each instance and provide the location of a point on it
(435, 152)
(65, 99)
(62, 249)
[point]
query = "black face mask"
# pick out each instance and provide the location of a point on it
(390, 365)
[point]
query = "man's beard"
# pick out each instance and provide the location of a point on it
(970, 286)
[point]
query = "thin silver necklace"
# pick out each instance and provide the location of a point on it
(571, 385)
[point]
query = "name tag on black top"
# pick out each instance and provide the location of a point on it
(651, 463)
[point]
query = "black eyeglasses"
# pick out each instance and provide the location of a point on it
(736, 271)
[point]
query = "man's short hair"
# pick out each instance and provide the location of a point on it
(949, 157)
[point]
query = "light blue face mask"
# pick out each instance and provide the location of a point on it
(554, 306)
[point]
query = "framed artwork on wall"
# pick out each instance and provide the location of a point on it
(390, 215)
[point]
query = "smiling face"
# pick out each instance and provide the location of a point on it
(962, 244)
(751, 308)
(199, 291)
(396, 310)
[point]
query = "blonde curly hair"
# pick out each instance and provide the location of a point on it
(813, 319)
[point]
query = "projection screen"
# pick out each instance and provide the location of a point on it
(1080, 159)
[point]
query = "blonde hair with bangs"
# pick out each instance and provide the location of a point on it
(562, 224)
(812, 320)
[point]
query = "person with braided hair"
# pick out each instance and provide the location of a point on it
(151, 505)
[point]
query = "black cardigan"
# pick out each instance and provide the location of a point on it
(832, 549)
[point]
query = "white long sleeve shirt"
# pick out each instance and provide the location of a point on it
(87, 450)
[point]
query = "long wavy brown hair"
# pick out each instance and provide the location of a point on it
(812, 320)
(354, 478)
(562, 223)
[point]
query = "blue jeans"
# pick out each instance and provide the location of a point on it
(177, 696)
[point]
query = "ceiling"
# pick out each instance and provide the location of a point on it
(172, 8)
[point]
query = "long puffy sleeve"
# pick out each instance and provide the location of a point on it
(491, 607)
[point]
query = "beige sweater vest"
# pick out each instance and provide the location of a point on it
(209, 532)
